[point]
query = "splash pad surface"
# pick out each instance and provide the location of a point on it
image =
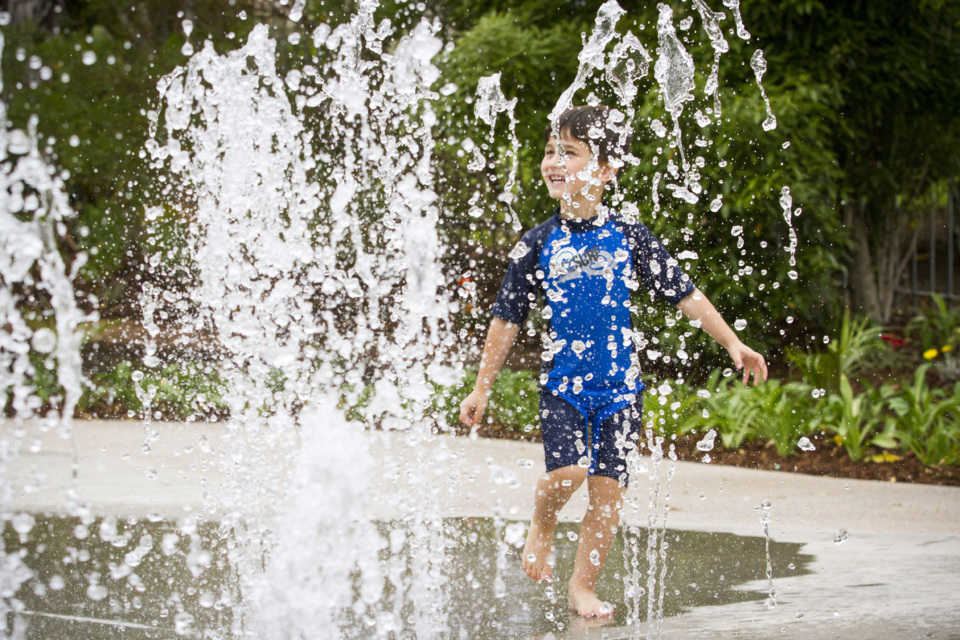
(893, 576)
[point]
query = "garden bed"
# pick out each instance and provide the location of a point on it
(828, 459)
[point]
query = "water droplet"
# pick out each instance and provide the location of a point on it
(183, 622)
(57, 583)
(23, 523)
(578, 346)
(97, 592)
(18, 142)
(702, 495)
(595, 557)
(89, 57)
(706, 443)
(799, 615)
(44, 340)
(572, 536)
(841, 536)
(520, 250)
(740, 324)
(805, 445)
(736, 230)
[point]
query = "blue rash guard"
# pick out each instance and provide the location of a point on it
(587, 272)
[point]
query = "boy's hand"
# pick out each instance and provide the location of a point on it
(473, 406)
(749, 361)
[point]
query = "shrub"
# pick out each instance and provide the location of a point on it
(856, 420)
(514, 402)
(926, 420)
(180, 391)
(936, 327)
(857, 346)
(781, 413)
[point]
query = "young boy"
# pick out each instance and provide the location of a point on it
(587, 260)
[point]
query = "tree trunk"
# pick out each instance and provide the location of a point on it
(39, 12)
(863, 282)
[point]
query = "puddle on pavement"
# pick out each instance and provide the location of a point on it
(130, 579)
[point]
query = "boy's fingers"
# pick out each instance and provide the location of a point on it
(467, 410)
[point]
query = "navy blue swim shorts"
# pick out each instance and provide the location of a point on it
(595, 437)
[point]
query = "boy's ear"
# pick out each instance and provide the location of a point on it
(607, 172)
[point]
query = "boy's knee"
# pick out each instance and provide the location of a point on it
(569, 476)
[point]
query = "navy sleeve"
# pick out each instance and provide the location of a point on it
(518, 292)
(657, 270)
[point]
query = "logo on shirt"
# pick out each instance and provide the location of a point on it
(569, 264)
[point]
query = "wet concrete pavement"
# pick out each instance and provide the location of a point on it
(895, 572)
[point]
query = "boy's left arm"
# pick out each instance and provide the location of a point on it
(697, 306)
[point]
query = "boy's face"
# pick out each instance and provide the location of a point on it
(566, 168)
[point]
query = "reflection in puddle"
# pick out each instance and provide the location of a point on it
(142, 579)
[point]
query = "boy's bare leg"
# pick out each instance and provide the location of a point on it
(596, 535)
(553, 491)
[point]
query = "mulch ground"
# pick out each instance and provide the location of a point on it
(829, 459)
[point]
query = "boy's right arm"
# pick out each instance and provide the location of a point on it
(500, 338)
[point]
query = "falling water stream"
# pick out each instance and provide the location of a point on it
(311, 236)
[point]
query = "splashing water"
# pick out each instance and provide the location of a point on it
(490, 103)
(296, 272)
(674, 71)
(37, 288)
(317, 276)
(591, 57)
(786, 203)
(764, 509)
(711, 24)
(734, 6)
(759, 65)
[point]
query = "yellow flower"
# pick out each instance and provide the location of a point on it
(946, 348)
(930, 354)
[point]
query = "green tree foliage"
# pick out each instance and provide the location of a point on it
(864, 92)
(747, 274)
(892, 73)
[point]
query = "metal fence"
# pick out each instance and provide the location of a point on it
(939, 252)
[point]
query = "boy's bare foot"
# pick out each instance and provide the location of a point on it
(536, 553)
(586, 603)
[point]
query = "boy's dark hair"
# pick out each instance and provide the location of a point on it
(576, 122)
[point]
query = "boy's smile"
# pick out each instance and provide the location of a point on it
(569, 177)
